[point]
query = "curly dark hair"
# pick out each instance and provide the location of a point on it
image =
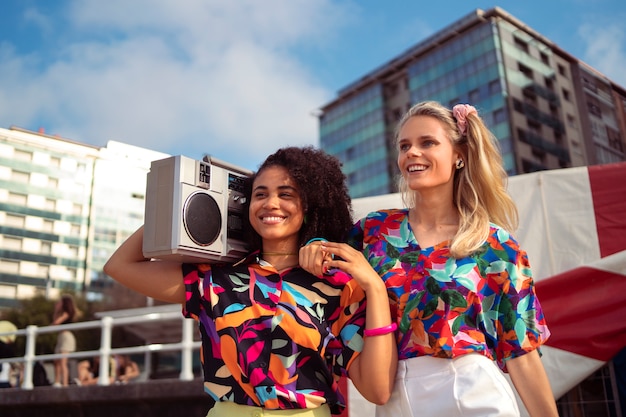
(322, 188)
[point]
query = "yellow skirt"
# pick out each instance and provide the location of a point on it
(230, 409)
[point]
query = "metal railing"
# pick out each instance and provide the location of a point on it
(186, 346)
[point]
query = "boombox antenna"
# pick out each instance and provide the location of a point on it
(218, 162)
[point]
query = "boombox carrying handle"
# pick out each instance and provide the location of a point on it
(223, 164)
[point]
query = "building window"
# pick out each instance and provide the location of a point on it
(20, 176)
(12, 243)
(558, 137)
(525, 70)
(391, 90)
(566, 95)
(474, 96)
(22, 155)
(45, 248)
(534, 127)
(351, 178)
(520, 44)
(499, 116)
(615, 140)
(396, 115)
(530, 97)
(539, 154)
(554, 111)
(75, 230)
(594, 109)
(43, 270)
(17, 199)
(544, 58)
(72, 251)
(47, 226)
(589, 84)
(9, 267)
(494, 87)
(13, 220)
(571, 121)
(562, 70)
(72, 274)
(81, 168)
(50, 204)
(77, 209)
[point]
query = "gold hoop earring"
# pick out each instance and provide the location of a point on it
(459, 164)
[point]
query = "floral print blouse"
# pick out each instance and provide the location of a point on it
(447, 307)
(274, 340)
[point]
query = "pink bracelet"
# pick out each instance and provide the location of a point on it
(380, 330)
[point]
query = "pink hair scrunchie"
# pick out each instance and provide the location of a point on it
(460, 113)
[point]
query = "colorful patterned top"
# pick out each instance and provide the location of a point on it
(447, 307)
(278, 341)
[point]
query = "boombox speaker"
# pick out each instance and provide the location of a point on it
(194, 210)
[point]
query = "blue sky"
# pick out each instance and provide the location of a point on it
(235, 78)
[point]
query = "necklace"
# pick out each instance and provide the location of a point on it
(279, 254)
(286, 267)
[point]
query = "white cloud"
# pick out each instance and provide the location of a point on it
(606, 50)
(179, 77)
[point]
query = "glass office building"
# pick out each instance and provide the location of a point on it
(547, 109)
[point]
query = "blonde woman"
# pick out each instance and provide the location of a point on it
(460, 287)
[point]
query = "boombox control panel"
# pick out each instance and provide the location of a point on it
(204, 174)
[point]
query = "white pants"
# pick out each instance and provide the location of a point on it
(471, 385)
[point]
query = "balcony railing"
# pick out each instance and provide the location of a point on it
(186, 346)
(534, 113)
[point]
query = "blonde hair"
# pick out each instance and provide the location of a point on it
(479, 192)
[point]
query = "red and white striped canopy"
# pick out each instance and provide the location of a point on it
(573, 225)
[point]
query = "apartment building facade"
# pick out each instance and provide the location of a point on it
(64, 207)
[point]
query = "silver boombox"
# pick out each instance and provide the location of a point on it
(194, 210)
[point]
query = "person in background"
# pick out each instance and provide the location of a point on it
(64, 313)
(121, 370)
(127, 369)
(460, 287)
(7, 350)
(89, 371)
(275, 338)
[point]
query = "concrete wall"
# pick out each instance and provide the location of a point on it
(156, 398)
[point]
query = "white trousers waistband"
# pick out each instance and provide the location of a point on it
(469, 386)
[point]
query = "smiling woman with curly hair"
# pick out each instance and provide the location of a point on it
(275, 337)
